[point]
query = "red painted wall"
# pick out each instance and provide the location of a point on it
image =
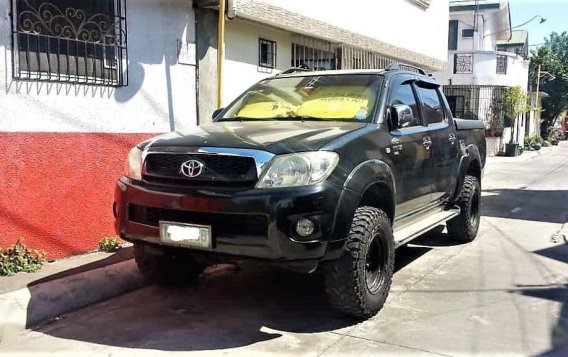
(56, 189)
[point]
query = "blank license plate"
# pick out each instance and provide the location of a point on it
(185, 235)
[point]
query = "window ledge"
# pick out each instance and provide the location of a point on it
(424, 4)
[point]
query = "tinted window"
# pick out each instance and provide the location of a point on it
(431, 105)
(403, 94)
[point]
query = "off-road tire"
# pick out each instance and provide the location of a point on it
(464, 227)
(346, 278)
(167, 269)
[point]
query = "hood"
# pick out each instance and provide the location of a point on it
(277, 137)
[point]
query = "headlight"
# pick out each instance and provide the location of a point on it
(298, 169)
(134, 165)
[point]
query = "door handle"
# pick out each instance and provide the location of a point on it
(452, 139)
(427, 142)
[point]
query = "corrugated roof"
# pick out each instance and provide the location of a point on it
(519, 37)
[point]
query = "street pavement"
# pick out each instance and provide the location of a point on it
(504, 294)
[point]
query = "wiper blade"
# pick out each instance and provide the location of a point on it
(237, 118)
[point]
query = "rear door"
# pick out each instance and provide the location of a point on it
(409, 151)
(442, 132)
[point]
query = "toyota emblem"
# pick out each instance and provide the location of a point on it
(192, 168)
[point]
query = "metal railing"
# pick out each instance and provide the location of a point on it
(478, 102)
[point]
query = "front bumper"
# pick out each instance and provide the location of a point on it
(139, 207)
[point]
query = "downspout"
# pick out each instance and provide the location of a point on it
(220, 51)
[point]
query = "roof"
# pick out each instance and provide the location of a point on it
(472, 5)
(519, 37)
(278, 17)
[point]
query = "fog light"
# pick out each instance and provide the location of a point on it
(305, 227)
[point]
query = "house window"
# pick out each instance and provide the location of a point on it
(453, 35)
(77, 41)
(266, 53)
(463, 63)
(501, 64)
(467, 33)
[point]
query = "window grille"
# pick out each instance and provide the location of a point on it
(313, 53)
(478, 102)
(502, 64)
(266, 53)
(77, 41)
(463, 63)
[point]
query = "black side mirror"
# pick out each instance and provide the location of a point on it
(401, 116)
(217, 112)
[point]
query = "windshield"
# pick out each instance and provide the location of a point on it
(316, 97)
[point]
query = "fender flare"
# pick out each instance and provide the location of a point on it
(471, 154)
(362, 177)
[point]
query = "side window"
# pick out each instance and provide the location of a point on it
(432, 108)
(402, 94)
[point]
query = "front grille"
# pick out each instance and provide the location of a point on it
(222, 224)
(217, 169)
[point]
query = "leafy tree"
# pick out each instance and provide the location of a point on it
(515, 103)
(553, 58)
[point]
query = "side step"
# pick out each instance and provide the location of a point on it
(408, 233)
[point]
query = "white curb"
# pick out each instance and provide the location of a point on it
(30, 306)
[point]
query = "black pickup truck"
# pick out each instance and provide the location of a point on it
(324, 170)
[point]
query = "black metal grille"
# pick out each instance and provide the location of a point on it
(502, 64)
(78, 41)
(217, 169)
(478, 102)
(463, 63)
(222, 224)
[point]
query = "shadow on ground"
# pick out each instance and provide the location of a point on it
(528, 205)
(229, 307)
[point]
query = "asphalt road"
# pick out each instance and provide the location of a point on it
(506, 293)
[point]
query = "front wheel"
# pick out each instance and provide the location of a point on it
(464, 227)
(359, 281)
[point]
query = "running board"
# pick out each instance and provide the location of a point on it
(412, 231)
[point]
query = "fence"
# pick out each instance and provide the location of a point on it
(478, 102)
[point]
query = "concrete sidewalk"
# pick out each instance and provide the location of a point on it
(28, 299)
(525, 156)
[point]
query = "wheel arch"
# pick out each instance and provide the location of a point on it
(470, 164)
(370, 183)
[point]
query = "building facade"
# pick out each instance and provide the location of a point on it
(83, 81)
(482, 64)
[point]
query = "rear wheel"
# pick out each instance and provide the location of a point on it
(359, 281)
(168, 268)
(464, 227)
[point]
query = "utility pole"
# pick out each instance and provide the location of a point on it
(537, 94)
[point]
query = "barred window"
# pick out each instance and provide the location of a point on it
(463, 63)
(266, 53)
(77, 41)
(501, 64)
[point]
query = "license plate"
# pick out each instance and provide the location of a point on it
(185, 235)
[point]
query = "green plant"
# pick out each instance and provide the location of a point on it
(110, 244)
(19, 258)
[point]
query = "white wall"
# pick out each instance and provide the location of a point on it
(397, 22)
(484, 71)
(241, 68)
(160, 94)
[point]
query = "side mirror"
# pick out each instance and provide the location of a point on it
(401, 115)
(217, 112)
